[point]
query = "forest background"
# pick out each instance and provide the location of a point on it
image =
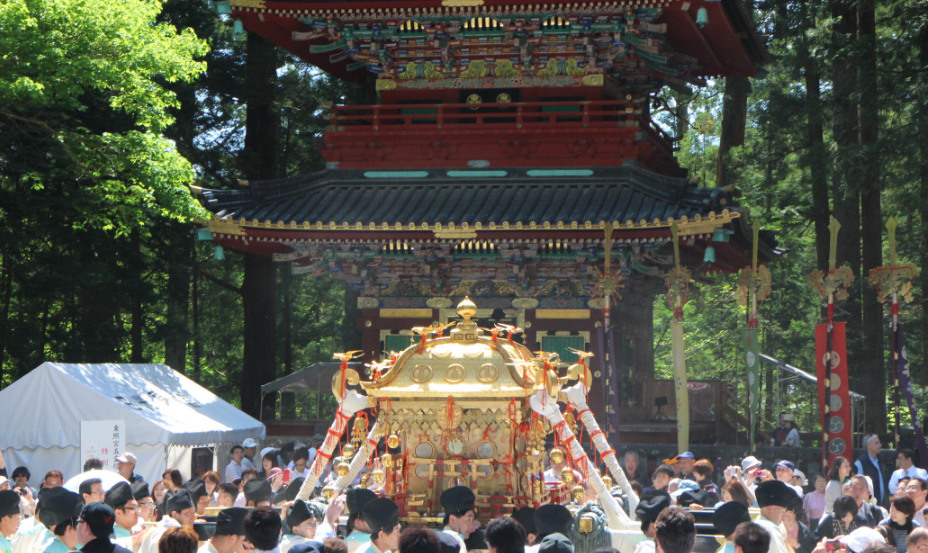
(109, 111)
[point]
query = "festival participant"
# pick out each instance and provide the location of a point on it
(212, 480)
(702, 472)
(258, 493)
(300, 459)
(683, 465)
(173, 480)
(904, 461)
(249, 447)
(553, 524)
(126, 508)
(899, 524)
(726, 519)
(179, 510)
(268, 462)
(10, 516)
(229, 534)
(634, 469)
(53, 479)
(505, 535)
(197, 489)
(458, 503)
(94, 528)
(58, 510)
(234, 468)
(813, 504)
(382, 517)
(785, 471)
(798, 535)
(158, 491)
(773, 497)
(843, 520)
(660, 480)
(262, 528)
(247, 476)
(901, 486)
(786, 434)
(647, 512)
(226, 495)
(552, 474)
(91, 490)
(526, 517)
(917, 540)
(735, 490)
(860, 491)
(359, 533)
(21, 478)
(917, 489)
(125, 466)
(178, 540)
(838, 474)
(674, 531)
(302, 519)
(147, 510)
(419, 540)
(751, 538)
(869, 464)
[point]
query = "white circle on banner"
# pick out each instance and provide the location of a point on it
(751, 378)
(836, 404)
(835, 382)
(836, 446)
(751, 359)
(835, 359)
(835, 424)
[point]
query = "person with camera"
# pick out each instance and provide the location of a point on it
(773, 498)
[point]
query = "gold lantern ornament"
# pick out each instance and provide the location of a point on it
(557, 456)
(386, 460)
(577, 492)
(328, 493)
(567, 475)
(348, 451)
(343, 468)
(378, 475)
(393, 441)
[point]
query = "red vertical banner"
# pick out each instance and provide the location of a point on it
(838, 425)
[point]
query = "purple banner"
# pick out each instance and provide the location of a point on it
(905, 383)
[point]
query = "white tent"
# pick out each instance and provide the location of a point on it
(166, 415)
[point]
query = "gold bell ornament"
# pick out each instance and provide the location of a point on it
(378, 475)
(343, 468)
(328, 493)
(386, 460)
(607, 481)
(567, 475)
(348, 451)
(393, 441)
(577, 492)
(557, 456)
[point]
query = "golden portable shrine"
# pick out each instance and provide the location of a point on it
(471, 406)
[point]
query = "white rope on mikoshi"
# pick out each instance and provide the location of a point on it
(351, 403)
(368, 448)
(577, 396)
(546, 406)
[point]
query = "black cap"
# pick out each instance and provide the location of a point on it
(196, 487)
(555, 543)
(649, 509)
(449, 544)
(381, 514)
(774, 492)
(728, 516)
(526, 517)
(289, 493)
(100, 518)
(301, 510)
(140, 490)
(257, 490)
(701, 497)
(458, 499)
(477, 540)
(229, 521)
(310, 546)
(179, 501)
(357, 498)
(9, 503)
(553, 519)
(58, 505)
(118, 495)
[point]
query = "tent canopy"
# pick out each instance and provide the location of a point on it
(44, 409)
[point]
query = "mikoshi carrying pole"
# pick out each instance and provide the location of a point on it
(677, 293)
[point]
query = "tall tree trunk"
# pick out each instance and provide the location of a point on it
(815, 135)
(873, 360)
(287, 403)
(178, 289)
(734, 119)
(259, 287)
(919, 373)
(846, 178)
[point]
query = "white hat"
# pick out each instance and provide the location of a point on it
(749, 462)
(266, 450)
(802, 476)
(127, 457)
(859, 539)
(249, 442)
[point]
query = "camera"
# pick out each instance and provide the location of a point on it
(23, 491)
(833, 545)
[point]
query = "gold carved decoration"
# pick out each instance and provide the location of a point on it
(421, 374)
(487, 373)
(454, 373)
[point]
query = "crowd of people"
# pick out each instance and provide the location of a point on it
(253, 506)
